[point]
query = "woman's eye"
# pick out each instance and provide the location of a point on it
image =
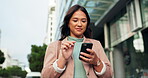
(83, 21)
(75, 20)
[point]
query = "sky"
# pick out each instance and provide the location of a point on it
(22, 23)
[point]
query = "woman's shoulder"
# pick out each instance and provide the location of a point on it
(93, 40)
(54, 42)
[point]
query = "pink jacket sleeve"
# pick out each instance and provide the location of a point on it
(101, 54)
(50, 56)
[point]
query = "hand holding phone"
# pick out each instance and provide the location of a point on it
(84, 47)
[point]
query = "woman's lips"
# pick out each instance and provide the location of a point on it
(78, 29)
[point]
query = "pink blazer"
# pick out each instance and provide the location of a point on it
(53, 52)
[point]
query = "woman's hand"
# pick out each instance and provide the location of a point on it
(67, 48)
(91, 58)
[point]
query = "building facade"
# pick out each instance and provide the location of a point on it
(127, 38)
(9, 61)
(122, 28)
(51, 25)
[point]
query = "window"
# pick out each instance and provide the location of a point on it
(120, 28)
(135, 58)
(144, 10)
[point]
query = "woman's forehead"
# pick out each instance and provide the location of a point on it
(79, 14)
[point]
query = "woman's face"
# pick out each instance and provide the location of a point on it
(78, 24)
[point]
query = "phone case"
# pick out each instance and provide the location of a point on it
(84, 47)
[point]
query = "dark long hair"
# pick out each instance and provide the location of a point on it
(65, 31)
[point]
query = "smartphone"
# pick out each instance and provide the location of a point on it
(84, 47)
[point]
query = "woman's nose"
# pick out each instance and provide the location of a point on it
(79, 23)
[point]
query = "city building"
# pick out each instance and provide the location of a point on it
(9, 61)
(51, 25)
(122, 28)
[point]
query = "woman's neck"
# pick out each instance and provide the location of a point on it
(70, 38)
(79, 37)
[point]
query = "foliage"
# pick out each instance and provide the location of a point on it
(12, 71)
(36, 57)
(2, 58)
(4, 73)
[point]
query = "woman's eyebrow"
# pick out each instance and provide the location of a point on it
(84, 18)
(78, 18)
(74, 18)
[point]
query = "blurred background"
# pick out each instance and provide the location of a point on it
(28, 26)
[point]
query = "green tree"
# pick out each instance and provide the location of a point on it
(16, 71)
(12, 71)
(36, 57)
(2, 58)
(4, 73)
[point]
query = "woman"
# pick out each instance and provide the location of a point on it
(62, 57)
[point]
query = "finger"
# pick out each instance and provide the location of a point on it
(90, 60)
(91, 51)
(85, 59)
(71, 43)
(67, 45)
(64, 47)
(86, 55)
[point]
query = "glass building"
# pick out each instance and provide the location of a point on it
(122, 28)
